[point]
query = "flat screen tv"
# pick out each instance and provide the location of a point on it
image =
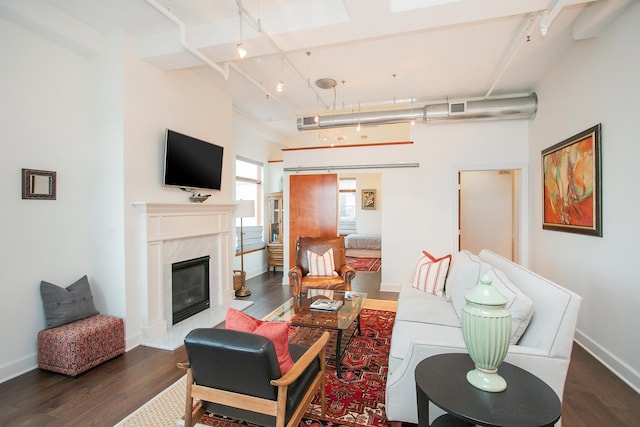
(191, 163)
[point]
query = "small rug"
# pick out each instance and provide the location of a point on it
(365, 264)
(356, 400)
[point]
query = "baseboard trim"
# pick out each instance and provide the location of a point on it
(622, 370)
(18, 367)
(390, 287)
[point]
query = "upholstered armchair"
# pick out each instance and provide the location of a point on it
(237, 375)
(337, 279)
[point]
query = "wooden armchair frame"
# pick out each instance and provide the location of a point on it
(275, 408)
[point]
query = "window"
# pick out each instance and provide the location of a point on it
(347, 190)
(249, 187)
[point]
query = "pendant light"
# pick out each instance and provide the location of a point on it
(394, 88)
(242, 51)
(280, 85)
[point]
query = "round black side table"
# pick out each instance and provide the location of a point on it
(527, 402)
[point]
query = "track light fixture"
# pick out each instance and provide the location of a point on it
(242, 51)
(280, 85)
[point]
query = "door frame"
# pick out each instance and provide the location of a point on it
(523, 208)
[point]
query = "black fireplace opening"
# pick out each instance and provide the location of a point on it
(189, 287)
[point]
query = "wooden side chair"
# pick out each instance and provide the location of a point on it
(301, 275)
(236, 374)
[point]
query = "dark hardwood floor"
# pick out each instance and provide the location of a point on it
(108, 393)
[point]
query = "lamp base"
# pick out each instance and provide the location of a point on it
(243, 292)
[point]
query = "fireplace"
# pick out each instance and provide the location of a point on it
(171, 233)
(189, 288)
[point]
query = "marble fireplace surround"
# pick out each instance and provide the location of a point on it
(177, 232)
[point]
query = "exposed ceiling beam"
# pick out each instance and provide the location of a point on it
(596, 17)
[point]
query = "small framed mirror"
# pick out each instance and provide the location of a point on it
(38, 184)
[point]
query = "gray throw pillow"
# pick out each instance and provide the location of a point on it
(65, 305)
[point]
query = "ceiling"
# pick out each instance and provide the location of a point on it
(383, 54)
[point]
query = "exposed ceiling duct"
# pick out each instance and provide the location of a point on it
(523, 107)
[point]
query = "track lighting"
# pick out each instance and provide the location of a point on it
(280, 85)
(242, 52)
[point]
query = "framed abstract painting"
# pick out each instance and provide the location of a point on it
(572, 184)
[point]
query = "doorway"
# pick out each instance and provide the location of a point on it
(489, 211)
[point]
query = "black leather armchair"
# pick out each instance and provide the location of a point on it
(236, 374)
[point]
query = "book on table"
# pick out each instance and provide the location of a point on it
(326, 304)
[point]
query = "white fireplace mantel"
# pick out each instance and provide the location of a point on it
(165, 221)
(169, 227)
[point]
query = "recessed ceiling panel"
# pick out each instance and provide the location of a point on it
(283, 16)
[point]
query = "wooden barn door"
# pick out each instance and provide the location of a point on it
(313, 208)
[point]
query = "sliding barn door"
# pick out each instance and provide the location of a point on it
(313, 208)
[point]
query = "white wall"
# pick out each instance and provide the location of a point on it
(43, 117)
(597, 83)
(105, 195)
(368, 221)
(420, 210)
(100, 124)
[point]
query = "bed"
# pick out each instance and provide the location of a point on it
(363, 245)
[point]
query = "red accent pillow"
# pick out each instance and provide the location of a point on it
(277, 332)
(239, 321)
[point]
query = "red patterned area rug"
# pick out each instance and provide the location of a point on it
(358, 398)
(364, 264)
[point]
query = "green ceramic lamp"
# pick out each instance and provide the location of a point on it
(486, 328)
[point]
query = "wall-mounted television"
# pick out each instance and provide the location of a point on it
(191, 163)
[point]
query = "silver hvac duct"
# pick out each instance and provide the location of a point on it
(524, 107)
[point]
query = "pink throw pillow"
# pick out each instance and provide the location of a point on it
(277, 332)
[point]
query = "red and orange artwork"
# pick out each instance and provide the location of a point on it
(569, 179)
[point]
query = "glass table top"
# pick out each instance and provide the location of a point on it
(298, 310)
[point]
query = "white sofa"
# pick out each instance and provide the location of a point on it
(427, 325)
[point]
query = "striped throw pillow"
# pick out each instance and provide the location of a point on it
(431, 273)
(321, 265)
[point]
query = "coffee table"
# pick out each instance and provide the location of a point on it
(528, 401)
(297, 311)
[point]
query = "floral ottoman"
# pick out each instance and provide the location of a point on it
(80, 345)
